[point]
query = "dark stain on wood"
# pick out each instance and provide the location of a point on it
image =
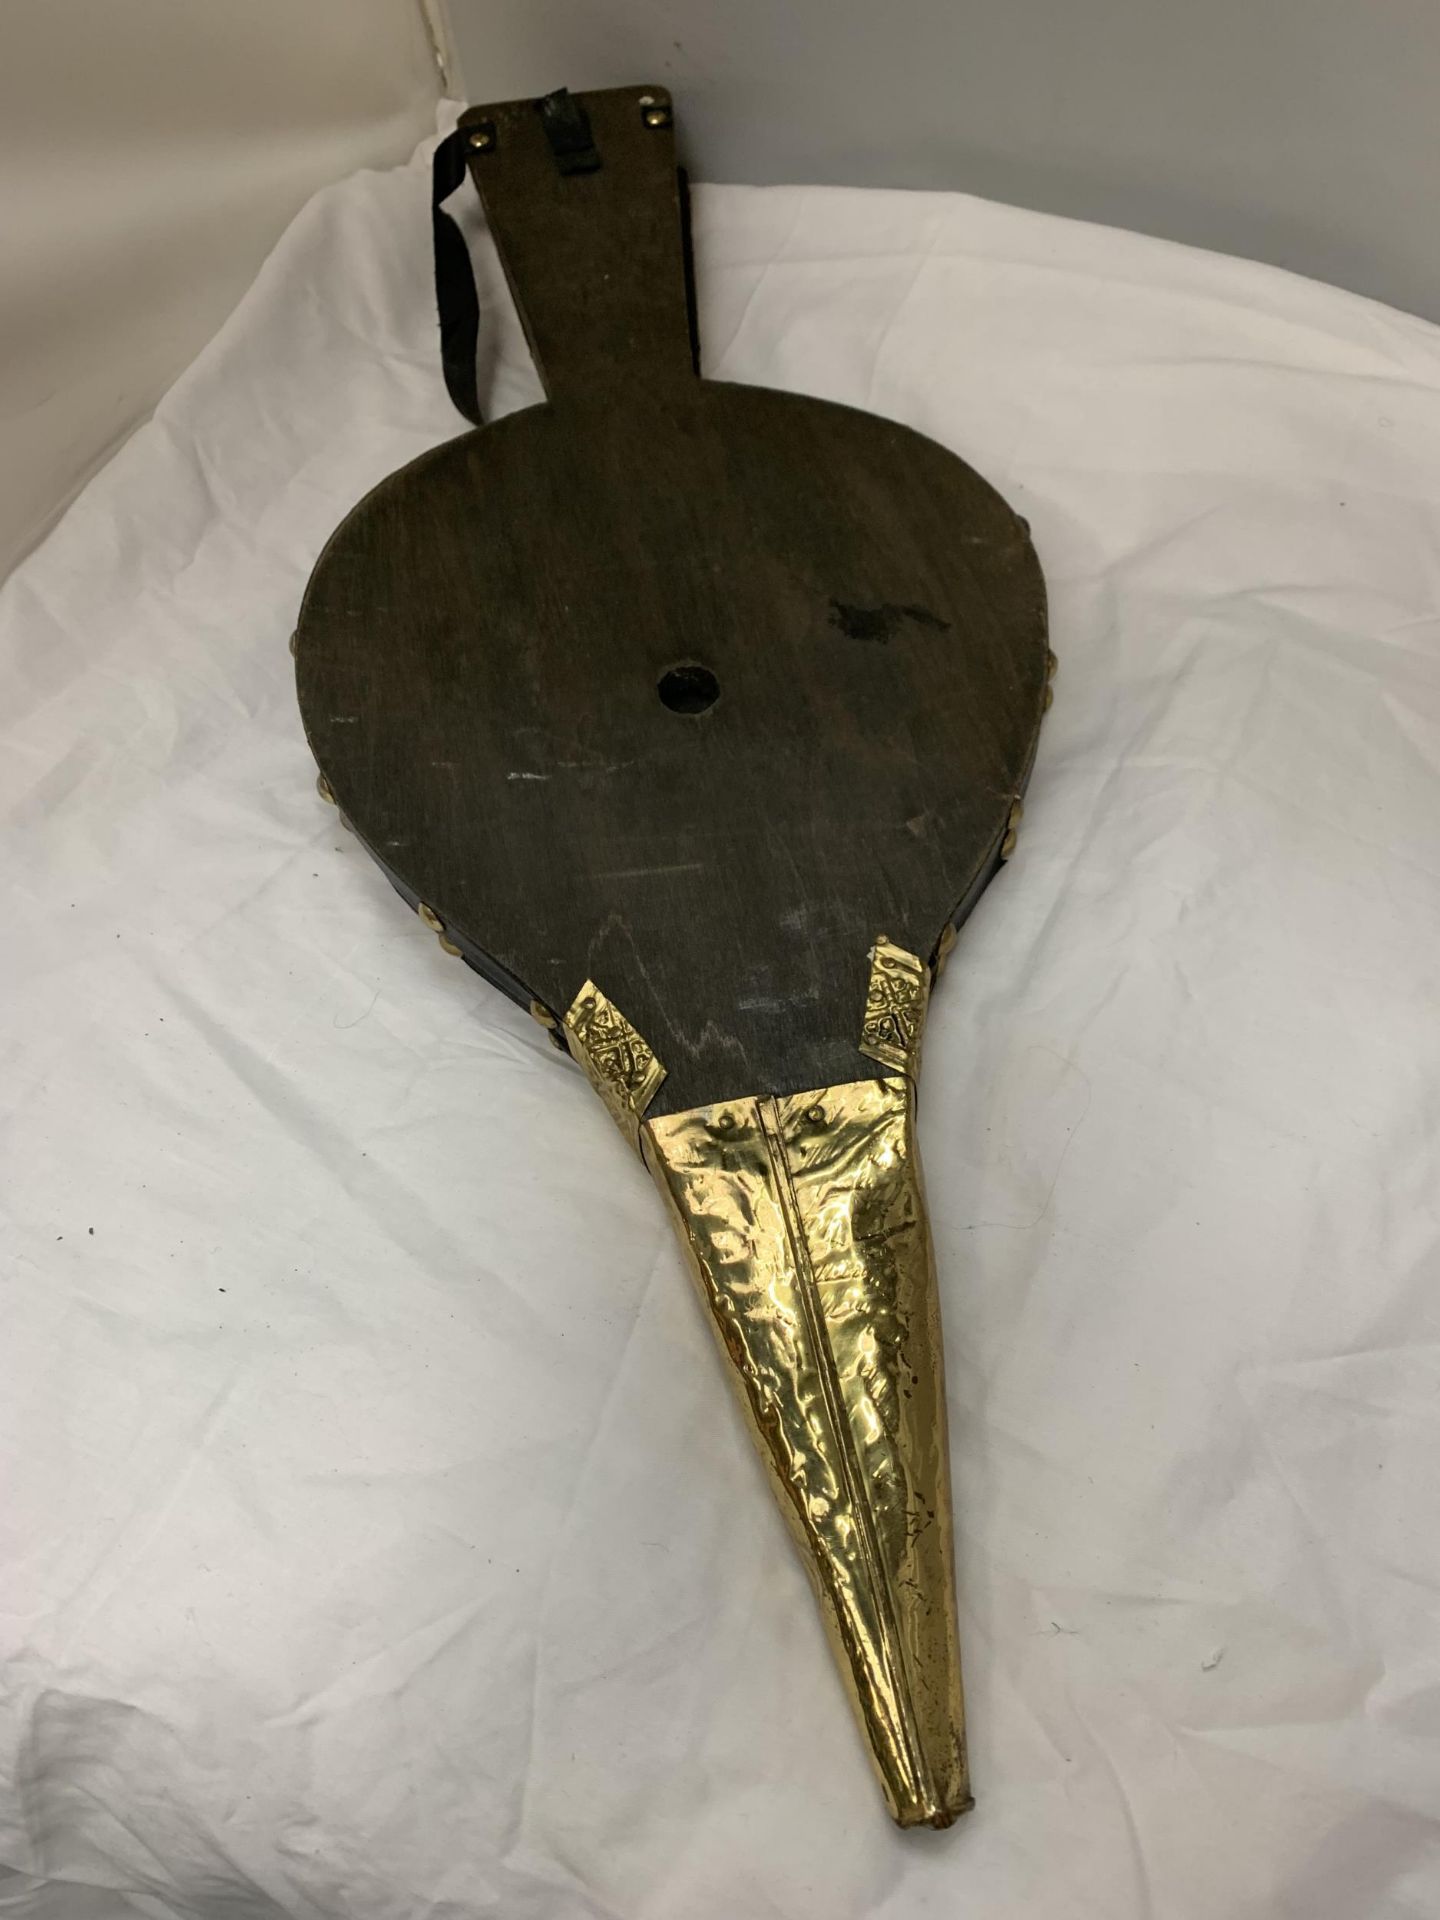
(881, 623)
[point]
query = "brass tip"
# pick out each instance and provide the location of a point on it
(811, 1249)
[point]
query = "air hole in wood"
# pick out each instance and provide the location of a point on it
(688, 688)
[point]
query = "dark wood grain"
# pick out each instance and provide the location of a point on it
(594, 259)
(483, 644)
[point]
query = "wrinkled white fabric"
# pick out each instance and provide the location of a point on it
(379, 1539)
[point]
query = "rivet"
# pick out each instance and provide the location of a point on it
(657, 116)
(554, 1031)
(816, 1116)
(945, 947)
(431, 918)
(293, 638)
(1049, 696)
(1051, 663)
(1017, 813)
(448, 946)
(647, 99)
(1007, 845)
(482, 139)
(323, 788)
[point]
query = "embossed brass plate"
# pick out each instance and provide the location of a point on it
(619, 1062)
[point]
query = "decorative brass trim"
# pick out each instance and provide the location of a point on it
(619, 1061)
(893, 1024)
(804, 1222)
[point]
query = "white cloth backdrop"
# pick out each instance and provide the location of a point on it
(380, 1542)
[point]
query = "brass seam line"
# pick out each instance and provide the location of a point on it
(808, 1293)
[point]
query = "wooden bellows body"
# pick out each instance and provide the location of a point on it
(698, 715)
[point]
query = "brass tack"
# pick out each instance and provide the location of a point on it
(293, 638)
(1012, 829)
(816, 1116)
(431, 918)
(323, 788)
(1049, 696)
(945, 947)
(481, 139)
(554, 1031)
(657, 116)
(1051, 663)
(447, 946)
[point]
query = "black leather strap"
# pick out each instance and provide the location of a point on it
(567, 128)
(456, 300)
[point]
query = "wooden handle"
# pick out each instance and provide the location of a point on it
(583, 199)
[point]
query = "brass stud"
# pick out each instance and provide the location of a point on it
(543, 1017)
(482, 139)
(1049, 696)
(323, 788)
(657, 116)
(1051, 663)
(945, 947)
(815, 1115)
(437, 927)
(1012, 830)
